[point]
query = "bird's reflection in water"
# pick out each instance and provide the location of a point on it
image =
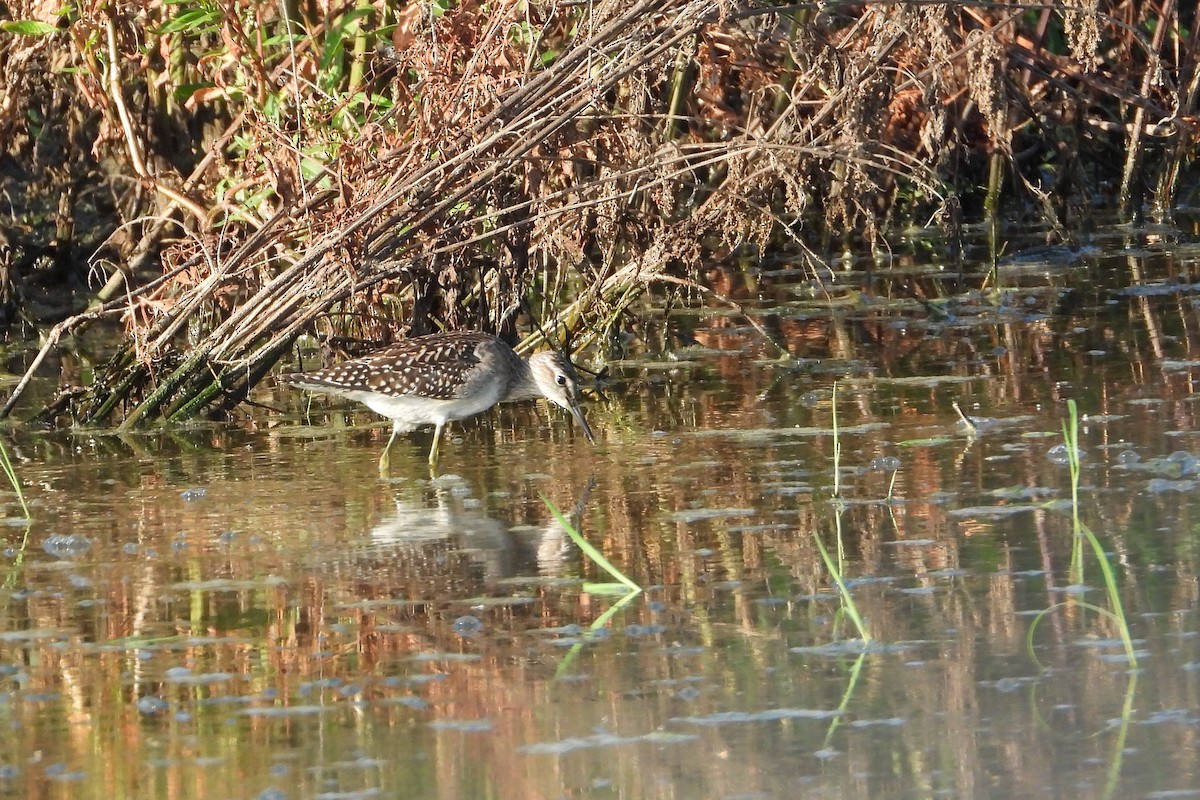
(451, 518)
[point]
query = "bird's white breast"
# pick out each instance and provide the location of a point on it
(415, 411)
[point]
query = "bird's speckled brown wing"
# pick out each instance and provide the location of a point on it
(437, 366)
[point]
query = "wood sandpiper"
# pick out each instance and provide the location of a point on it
(430, 380)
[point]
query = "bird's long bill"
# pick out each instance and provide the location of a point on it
(577, 413)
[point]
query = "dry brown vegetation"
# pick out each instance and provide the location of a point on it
(399, 168)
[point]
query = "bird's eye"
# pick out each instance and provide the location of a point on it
(561, 380)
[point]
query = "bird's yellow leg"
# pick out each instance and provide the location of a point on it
(384, 460)
(437, 443)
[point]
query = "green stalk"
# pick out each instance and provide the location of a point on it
(835, 566)
(681, 84)
(1071, 438)
(1082, 532)
(837, 449)
(991, 201)
(358, 54)
(14, 481)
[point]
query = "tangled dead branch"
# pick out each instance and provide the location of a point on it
(517, 150)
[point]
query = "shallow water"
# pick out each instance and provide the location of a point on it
(249, 611)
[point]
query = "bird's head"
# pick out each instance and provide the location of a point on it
(559, 383)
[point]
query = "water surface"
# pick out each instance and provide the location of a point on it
(248, 610)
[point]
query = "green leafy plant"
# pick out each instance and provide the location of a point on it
(27, 27)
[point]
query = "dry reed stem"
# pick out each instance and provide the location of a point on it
(660, 131)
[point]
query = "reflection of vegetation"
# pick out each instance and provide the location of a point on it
(855, 674)
(1118, 747)
(18, 561)
(599, 623)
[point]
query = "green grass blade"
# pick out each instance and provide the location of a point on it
(588, 550)
(843, 591)
(837, 448)
(1082, 533)
(11, 474)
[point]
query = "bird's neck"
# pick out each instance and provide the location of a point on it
(522, 386)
